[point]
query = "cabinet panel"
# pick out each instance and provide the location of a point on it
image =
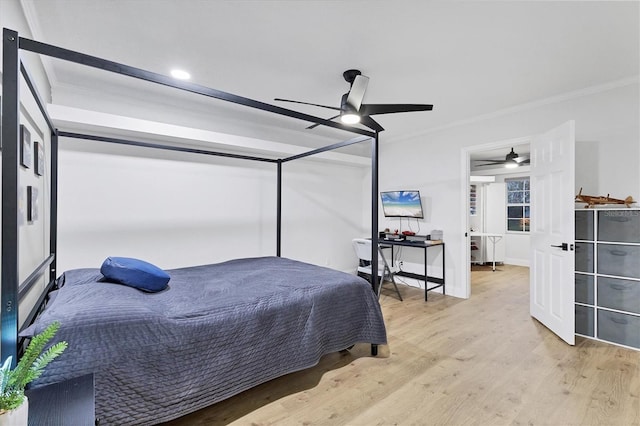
(619, 328)
(584, 289)
(623, 295)
(584, 225)
(619, 226)
(619, 260)
(584, 320)
(584, 257)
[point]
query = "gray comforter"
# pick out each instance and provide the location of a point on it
(217, 331)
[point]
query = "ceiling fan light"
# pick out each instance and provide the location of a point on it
(180, 74)
(511, 164)
(350, 118)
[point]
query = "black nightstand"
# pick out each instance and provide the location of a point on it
(63, 403)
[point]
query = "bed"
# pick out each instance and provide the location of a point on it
(216, 331)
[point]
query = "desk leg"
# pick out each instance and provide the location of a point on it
(393, 261)
(493, 246)
(443, 272)
(493, 242)
(425, 273)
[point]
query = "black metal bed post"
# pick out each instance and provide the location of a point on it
(279, 209)
(10, 144)
(374, 213)
(53, 208)
(374, 224)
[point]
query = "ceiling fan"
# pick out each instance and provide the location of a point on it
(511, 160)
(353, 111)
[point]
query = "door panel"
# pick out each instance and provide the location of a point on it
(557, 307)
(537, 268)
(552, 224)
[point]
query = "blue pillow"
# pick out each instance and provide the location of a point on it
(135, 273)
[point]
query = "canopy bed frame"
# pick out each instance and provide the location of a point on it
(12, 290)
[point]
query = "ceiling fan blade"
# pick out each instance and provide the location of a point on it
(490, 162)
(372, 109)
(522, 159)
(306, 103)
(356, 93)
(371, 123)
(313, 126)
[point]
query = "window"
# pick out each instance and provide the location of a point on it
(518, 207)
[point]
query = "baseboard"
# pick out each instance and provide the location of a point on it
(517, 262)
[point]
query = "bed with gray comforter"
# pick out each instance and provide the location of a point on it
(216, 331)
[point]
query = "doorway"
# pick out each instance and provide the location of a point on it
(552, 184)
(489, 214)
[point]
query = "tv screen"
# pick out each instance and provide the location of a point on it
(402, 204)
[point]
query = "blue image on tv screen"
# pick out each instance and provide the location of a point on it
(402, 204)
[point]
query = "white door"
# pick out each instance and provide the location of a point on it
(552, 230)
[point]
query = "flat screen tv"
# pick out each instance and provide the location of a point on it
(402, 204)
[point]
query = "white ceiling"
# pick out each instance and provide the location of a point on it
(466, 58)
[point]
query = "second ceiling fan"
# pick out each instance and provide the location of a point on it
(353, 111)
(511, 160)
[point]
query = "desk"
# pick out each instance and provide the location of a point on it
(65, 403)
(494, 238)
(425, 246)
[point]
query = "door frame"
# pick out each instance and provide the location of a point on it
(465, 176)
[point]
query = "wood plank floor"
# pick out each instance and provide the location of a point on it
(482, 361)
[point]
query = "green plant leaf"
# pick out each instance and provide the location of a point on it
(29, 368)
(20, 377)
(5, 371)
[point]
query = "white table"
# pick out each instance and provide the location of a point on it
(494, 238)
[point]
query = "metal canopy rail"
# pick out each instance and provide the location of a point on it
(12, 67)
(163, 147)
(103, 64)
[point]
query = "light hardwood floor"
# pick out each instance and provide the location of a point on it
(482, 361)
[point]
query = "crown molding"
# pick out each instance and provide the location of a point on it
(587, 91)
(29, 10)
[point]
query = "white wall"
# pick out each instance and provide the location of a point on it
(12, 17)
(178, 210)
(321, 212)
(33, 236)
(606, 120)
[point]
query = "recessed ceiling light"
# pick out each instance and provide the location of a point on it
(180, 74)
